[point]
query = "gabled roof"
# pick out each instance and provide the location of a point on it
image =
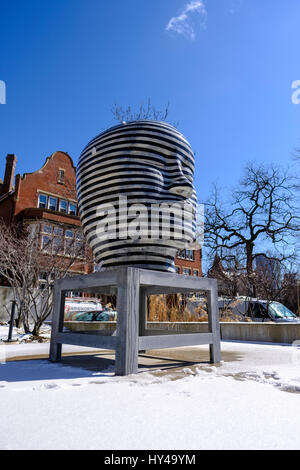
(46, 162)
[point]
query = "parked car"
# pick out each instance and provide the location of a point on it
(82, 316)
(81, 304)
(107, 314)
(258, 310)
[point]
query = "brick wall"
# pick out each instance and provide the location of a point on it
(196, 264)
(46, 180)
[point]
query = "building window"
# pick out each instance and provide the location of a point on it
(69, 240)
(58, 245)
(71, 294)
(46, 280)
(189, 255)
(52, 204)
(79, 245)
(58, 231)
(196, 272)
(46, 243)
(58, 240)
(47, 229)
(45, 201)
(63, 206)
(186, 271)
(61, 176)
(42, 201)
(69, 234)
(46, 238)
(72, 208)
(186, 254)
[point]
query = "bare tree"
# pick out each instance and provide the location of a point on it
(144, 112)
(230, 274)
(32, 257)
(261, 213)
(275, 279)
(272, 280)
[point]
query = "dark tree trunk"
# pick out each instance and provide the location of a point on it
(249, 267)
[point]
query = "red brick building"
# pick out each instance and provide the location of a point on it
(48, 195)
(189, 262)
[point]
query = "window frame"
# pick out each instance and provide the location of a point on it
(59, 207)
(57, 201)
(184, 268)
(69, 208)
(61, 176)
(39, 201)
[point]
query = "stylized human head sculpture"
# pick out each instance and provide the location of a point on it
(136, 196)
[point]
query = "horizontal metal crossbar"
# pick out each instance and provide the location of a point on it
(175, 282)
(88, 340)
(169, 341)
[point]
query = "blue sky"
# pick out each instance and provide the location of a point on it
(225, 66)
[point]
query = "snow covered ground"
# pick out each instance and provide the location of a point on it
(250, 401)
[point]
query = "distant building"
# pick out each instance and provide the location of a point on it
(269, 265)
(268, 269)
(46, 198)
(189, 262)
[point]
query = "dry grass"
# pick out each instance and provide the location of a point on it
(163, 309)
(227, 316)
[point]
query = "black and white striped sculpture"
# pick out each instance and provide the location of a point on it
(131, 180)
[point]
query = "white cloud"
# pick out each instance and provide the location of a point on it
(182, 24)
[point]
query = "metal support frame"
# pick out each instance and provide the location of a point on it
(132, 285)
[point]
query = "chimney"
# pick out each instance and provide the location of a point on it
(8, 182)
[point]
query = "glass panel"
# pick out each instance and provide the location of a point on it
(72, 208)
(46, 243)
(69, 246)
(46, 229)
(61, 176)
(255, 311)
(52, 203)
(63, 205)
(58, 245)
(79, 248)
(186, 271)
(58, 231)
(189, 254)
(79, 236)
(280, 311)
(43, 201)
(69, 234)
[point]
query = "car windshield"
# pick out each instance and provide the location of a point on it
(280, 311)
